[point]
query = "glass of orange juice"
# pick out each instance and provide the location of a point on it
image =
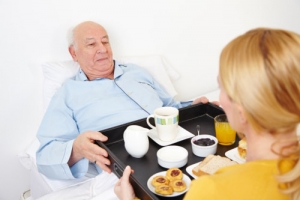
(224, 133)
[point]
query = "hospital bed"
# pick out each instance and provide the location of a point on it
(55, 73)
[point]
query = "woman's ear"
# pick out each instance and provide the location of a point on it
(73, 53)
(242, 115)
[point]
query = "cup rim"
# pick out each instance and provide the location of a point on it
(170, 147)
(226, 122)
(174, 112)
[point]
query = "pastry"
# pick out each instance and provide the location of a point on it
(164, 189)
(178, 185)
(174, 174)
(160, 180)
(242, 148)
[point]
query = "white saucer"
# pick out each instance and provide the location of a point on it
(189, 170)
(182, 135)
(233, 154)
(186, 179)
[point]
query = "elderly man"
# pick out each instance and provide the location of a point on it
(104, 93)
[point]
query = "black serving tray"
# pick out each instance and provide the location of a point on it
(189, 118)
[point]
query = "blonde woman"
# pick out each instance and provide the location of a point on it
(259, 80)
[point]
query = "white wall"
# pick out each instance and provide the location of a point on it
(189, 34)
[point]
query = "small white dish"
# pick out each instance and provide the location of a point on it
(203, 151)
(186, 179)
(233, 154)
(189, 169)
(182, 135)
(172, 156)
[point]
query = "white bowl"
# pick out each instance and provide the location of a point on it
(203, 151)
(172, 156)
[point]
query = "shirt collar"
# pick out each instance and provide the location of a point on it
(117, 72)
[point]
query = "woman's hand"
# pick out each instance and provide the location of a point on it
(123, 188)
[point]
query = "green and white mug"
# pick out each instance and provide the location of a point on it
(166, 123)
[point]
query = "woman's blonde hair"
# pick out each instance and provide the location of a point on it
(260, 70)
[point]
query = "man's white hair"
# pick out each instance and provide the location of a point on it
(70, 38)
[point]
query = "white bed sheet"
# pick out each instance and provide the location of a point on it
(41, 185)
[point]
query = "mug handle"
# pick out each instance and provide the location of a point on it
(148, 122)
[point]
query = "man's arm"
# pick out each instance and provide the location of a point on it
(56, 134)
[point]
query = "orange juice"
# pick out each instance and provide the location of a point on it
(224, 133)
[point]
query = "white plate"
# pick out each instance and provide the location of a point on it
(182, 135)
(189, 170)
(233, 154)
(152, 188)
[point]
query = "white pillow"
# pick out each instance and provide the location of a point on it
(55, 73)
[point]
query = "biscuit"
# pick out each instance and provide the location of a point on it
(160, 180)
(164, 189)
(178, 185)
(174, 174)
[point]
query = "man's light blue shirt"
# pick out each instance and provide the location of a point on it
(81, 105)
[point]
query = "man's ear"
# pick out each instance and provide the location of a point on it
(73, 53)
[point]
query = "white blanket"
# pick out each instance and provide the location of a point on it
(100, 187)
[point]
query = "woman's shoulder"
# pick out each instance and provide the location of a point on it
(242, 180)
(260, 168)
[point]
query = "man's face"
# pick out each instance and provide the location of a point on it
(92, 50)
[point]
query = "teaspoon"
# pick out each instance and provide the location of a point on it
(198, 129)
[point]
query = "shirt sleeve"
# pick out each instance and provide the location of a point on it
(56, 134)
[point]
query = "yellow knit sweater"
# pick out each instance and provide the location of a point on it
(253, 180)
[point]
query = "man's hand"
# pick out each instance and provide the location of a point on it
(84, 147)
(204, 100)
(123, 188)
